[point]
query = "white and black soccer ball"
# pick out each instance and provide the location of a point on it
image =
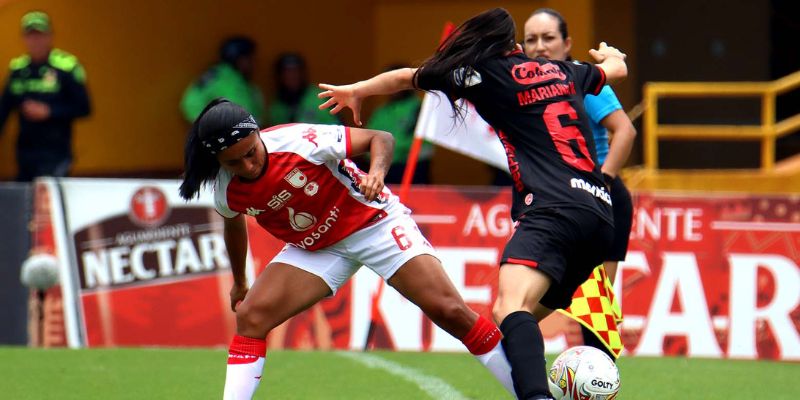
(583, 373)
(40, 271)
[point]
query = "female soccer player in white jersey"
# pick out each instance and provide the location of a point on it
(297, 182)
(559, 200)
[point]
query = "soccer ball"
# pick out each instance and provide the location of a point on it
(39, 271)
(583, 373)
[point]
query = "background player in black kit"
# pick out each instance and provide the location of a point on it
(560, 203)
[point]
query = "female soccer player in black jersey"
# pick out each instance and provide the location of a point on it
(560, 203)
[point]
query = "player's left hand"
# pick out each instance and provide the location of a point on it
(371, 186)
(238, 292)
(340, 97)
(35, 110)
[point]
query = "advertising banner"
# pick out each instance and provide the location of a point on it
(705, 276)
(148, 268)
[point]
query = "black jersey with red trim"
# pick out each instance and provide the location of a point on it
(536, 108)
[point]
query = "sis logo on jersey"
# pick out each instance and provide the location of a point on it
(278, 200)
(532, 72)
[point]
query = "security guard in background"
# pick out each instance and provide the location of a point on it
(47, 87)
(230, 78)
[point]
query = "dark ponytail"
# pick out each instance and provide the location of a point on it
(486, 35)
(200, 166)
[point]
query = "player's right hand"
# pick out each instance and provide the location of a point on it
(340, 97)
(238, 292)
(604, 51)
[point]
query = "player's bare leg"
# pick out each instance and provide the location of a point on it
(516, 309)
(280, 292)
(423, 281)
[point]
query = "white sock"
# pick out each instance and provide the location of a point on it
(484, 342)
(245, 366)
(497, 363)
(241, 380)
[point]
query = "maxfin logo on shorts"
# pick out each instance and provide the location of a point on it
(301, 221)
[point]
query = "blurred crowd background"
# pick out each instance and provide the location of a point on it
(140, 58)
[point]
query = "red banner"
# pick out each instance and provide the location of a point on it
(710, 277)
(705, 276)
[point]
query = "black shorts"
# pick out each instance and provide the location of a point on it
(623, 219)
(565, 244)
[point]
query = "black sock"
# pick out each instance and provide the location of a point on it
(524, 347)
(590, 339)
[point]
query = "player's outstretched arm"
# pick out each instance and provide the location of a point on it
(351, 96)
(380, 146)
(612, 61)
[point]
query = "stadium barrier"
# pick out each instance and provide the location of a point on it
(710, 276)
(767, 132)
(15, 211)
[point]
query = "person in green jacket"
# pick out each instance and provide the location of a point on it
(231, 78)
(296, 100)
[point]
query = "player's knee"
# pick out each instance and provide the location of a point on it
(450, 311)
(502, 307)
(252, 320)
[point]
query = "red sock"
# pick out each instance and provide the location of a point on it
(245, 350)
(483, 337)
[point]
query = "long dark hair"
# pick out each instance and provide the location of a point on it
(200, 166)
(486, 35)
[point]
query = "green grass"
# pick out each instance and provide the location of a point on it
(199, 374)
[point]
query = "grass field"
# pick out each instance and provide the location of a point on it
(199, 374)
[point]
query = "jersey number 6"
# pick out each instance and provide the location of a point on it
(569, 141)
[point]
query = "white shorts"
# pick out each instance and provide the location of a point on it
(382, 247)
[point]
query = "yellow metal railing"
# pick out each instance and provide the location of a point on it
(767, 132)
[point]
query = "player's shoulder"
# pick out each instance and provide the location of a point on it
(606, 97)
(282, 137)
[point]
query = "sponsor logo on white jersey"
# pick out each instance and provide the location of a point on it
(321, 230)
(312, 188)
(301, 221)
(296, 178)
(279, 200)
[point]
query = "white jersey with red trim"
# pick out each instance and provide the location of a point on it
(308, 196)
